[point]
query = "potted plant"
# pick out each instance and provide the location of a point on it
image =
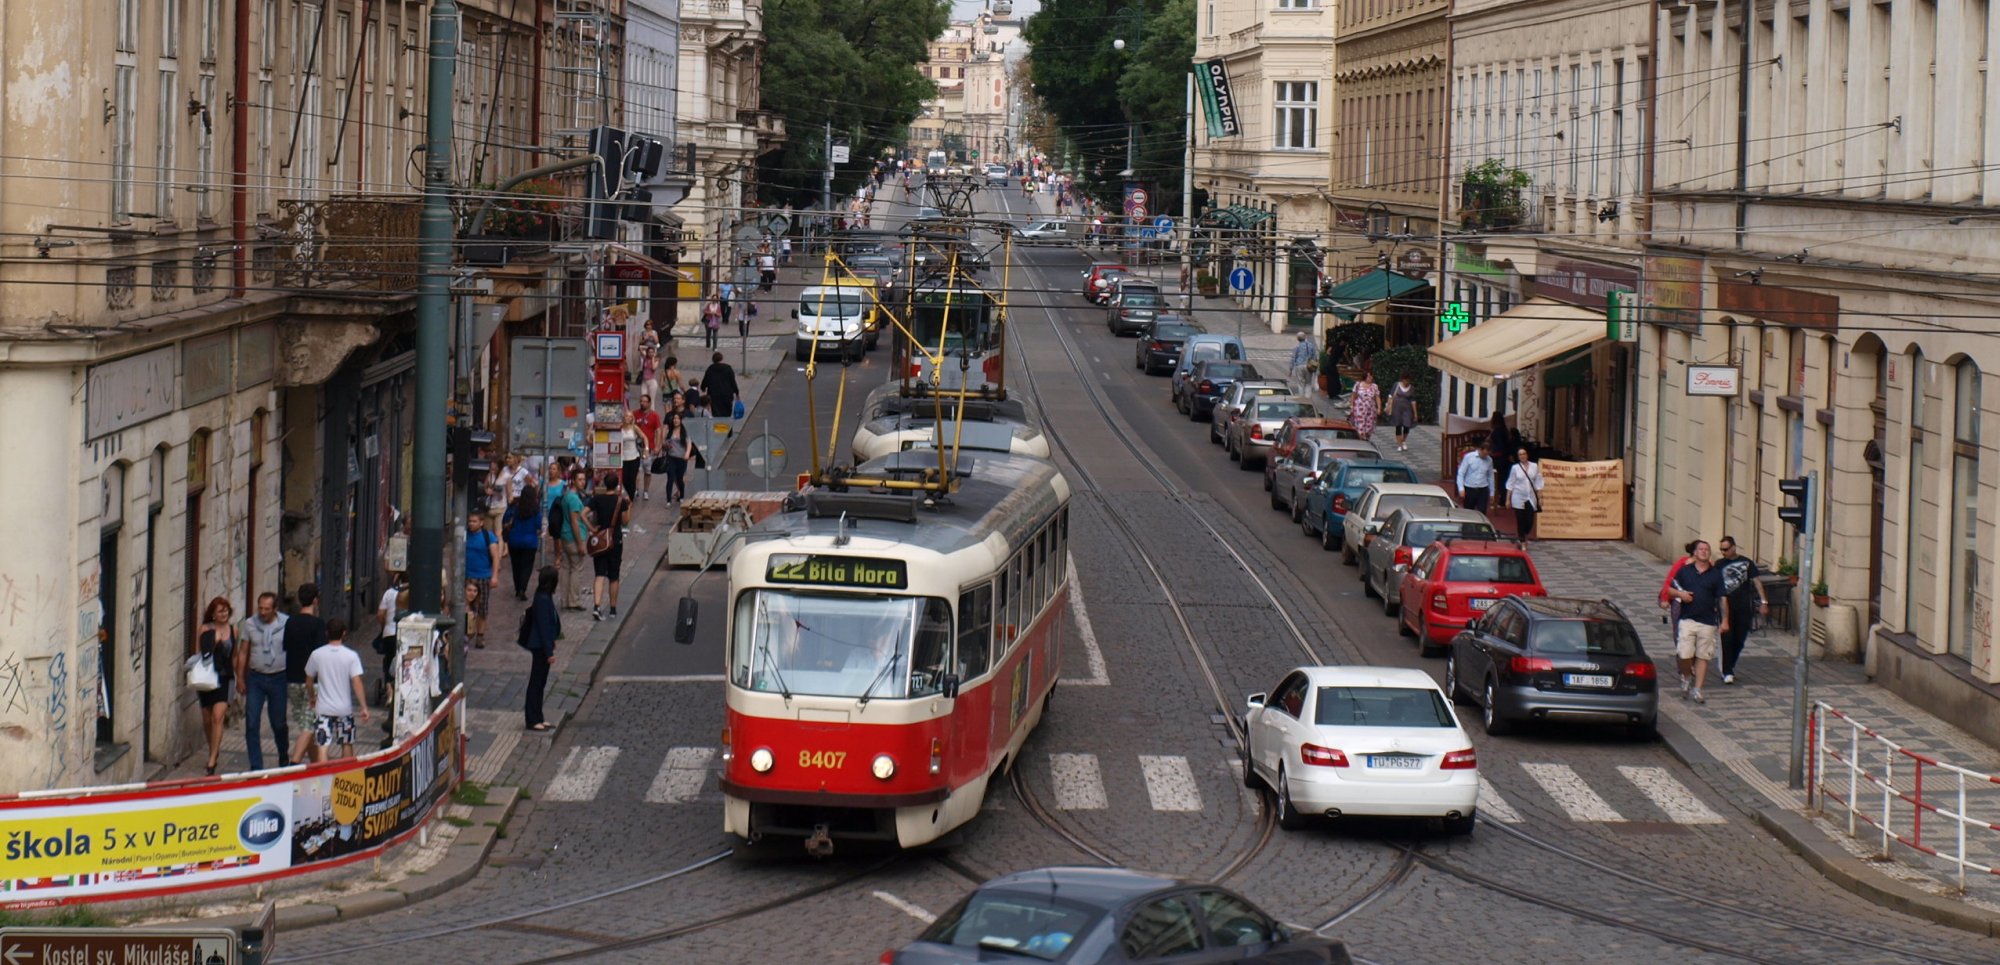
(1820, 594)
(1490, 196)
(1208, 284)
(514, 225)
(1789, 569)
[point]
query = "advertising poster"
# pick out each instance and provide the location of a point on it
(1582, 500)
(186, 836)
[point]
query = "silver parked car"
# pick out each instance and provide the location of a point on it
(1404, 534)
(1256, 427)
(1375, 503)
(1309, 459)
(1238, 398)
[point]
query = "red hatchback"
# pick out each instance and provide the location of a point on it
(1096, 287)
(1457, 579)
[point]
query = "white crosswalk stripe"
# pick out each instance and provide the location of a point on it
(1492, 805)
(681, 775)
(1170, 783)
(1078, 783)
(582, 774)
(1669, 795)
(1571, 793)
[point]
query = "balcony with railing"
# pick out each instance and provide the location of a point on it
(365, 242)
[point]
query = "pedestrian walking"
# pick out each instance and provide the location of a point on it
(1475, 478)
(785, 250)
(1746, 602)
(632, 451)
(718, 385)
(385, 640)
(648, 421)
(1524, 493)
(305, 632)
(568, 528)
(678, 449)
(334, 673)
(672, 382)
(260, 678)
(649, 371)
(216, 643)
(1704, 618)
(508, 482)
(522, 528)
(1499, 442)
(1672, 604)
(1302, 356)
(1365, 404)
(540, 626)
(712, 313)
(1401, 408)
(483, 550)
(767, 269)
(610, 510)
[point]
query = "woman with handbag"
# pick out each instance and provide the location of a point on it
(211, 671)
(1524, 492)
(540, 626)
(632, 445)
(676, 448)
(609, 511)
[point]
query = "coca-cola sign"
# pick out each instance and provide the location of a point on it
(1714, 380)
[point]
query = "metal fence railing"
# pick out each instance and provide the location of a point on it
(1904, 797)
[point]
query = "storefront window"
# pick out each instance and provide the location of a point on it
(1913, 495)
(1965, 576)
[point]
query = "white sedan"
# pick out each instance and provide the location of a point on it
(1378, 741)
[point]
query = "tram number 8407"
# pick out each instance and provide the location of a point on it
(826, 760)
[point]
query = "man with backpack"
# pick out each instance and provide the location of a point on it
(569, 531)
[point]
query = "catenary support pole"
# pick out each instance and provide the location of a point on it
(1796, 773)
(433, 321)
(1187, 201)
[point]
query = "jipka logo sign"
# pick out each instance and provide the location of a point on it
(1714, 380)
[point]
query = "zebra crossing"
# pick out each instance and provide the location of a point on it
(1172, 784)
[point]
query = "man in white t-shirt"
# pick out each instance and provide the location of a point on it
(333, 677)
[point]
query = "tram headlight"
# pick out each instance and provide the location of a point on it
(884, 767)
(761, 760)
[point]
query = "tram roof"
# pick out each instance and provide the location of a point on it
(1005, 493)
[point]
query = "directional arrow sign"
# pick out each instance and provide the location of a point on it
(89, 946)
(1241, 279)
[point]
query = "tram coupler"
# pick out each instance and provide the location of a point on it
(820, 844)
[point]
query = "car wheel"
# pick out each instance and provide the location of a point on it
(1298, 514)
(1249, 773)
(1327, 541)
(1451, 685)
(1305, 523)
(1245, 462)
(1367, 585)
(1347, 554)
(1403, 627)
(1289, 817)
(1275, 502)
(801, 353)
(1460, 826)
(1235, 454)
(1644, 733)
(1489, 715)
(1389, 607)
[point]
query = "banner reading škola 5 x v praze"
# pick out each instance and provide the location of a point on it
(84, 847)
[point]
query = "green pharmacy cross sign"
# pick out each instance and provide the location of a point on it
(1454, 317)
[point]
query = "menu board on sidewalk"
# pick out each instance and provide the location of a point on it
(1582, 500)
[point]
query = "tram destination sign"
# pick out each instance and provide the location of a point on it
(863, 572)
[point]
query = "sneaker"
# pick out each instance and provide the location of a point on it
(1696, 694)
(596, 614)
(1686, 683)
(647, 495)
(614, 611)
(1729, 678)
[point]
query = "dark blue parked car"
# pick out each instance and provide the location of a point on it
(1207, 382)
(1336, 489)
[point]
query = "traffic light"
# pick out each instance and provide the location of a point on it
(1800, 489)
(471, 451)
(604, 180)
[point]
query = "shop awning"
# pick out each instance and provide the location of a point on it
(1235, 216)
(1518, 339)
(1358, 294)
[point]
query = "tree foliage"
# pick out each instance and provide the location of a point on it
(1095, 92)
(851, 63)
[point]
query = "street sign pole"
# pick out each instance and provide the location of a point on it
(1795, 774)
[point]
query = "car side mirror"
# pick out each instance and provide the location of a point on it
(948, 685)
(795, 314)
(1256, 700)
(1312, 479)
(1374, 527)
(684, 620)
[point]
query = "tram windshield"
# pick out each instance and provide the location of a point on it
(840, 644)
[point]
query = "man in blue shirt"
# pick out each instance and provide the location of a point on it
(1704, 619)
(1475, 478)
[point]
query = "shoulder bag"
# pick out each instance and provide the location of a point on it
(604, 537)
(201, 674)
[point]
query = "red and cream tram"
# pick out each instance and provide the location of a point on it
(888, 653)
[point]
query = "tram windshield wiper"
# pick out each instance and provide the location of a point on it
(783, 690)
(880, 675)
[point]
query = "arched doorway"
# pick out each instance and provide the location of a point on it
(1870, 361)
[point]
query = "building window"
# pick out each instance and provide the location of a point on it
(163, 188)
(211, 11)
(1298, 4)
(205, 162)
(128, 26)
(1913, 496)
(1298, 114)
(1964, 559)
(170, 28)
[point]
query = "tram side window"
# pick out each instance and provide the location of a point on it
(1048, 572)
(975, 628)
(1031, 588)
(1010, 624)
(930, 658)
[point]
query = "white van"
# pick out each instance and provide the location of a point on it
(835, 316)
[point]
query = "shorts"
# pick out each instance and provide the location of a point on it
(480, 597)
(299, 708)
(333, 731)
(606, 564)
(1698, 641)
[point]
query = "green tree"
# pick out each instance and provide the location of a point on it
(851, 63)
(1095, 92)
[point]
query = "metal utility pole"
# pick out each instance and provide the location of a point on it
(1796, 773)
(1187, 201)
(433, 321)
(826, 177)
